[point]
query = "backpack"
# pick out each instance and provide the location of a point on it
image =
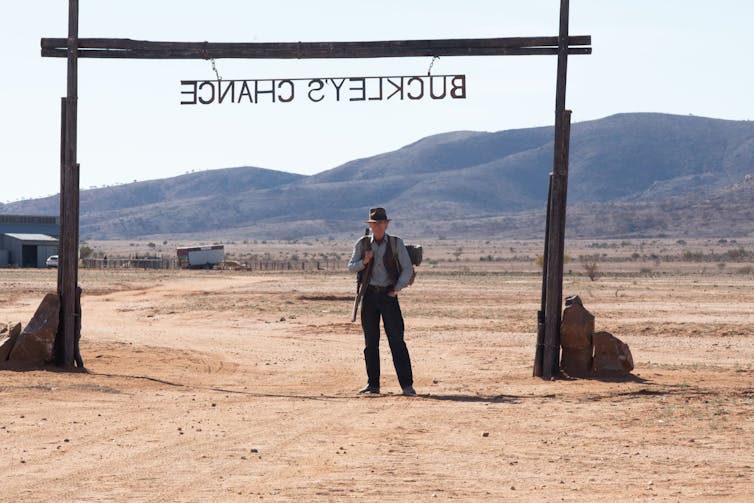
(415, 253)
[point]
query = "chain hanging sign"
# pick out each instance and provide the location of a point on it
(316, 90)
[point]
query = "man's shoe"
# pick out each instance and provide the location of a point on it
(409, 391)
(370, 389)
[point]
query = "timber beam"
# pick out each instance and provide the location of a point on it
(143, 49)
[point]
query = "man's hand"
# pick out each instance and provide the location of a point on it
(392, 293)
(368, 256)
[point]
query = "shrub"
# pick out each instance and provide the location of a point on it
(85, 251)
(589, 263)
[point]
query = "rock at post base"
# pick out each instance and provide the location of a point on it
(577, 326)
(35, 344)
(8, 338)
(576, 362)
(576, 330)
(611, 354)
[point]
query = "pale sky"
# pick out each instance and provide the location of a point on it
(671, 56)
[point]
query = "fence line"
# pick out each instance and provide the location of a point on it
(130, 263)
(294, 265)
(253, 265)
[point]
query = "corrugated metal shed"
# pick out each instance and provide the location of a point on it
(26, 250)
(31, 237)
(30, 224)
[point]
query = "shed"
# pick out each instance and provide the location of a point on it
(30, 224)
(26, 250)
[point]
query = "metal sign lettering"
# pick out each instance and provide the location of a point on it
(316, 90)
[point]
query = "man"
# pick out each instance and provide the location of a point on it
(389, 275)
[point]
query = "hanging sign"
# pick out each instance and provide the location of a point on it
(318, 90)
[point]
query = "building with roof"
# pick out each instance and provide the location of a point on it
(27, 241)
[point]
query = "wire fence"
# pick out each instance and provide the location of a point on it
(130, 263)
(252, 265)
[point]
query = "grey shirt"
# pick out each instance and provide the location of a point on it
(379, 276)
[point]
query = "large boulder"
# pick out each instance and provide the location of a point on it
(611, 355)
(35, 344)
(576, 330)
(8, 336)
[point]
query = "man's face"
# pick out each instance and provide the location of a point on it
(378, 229)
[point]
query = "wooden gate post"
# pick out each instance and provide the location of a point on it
(555, 239)
(69, 200)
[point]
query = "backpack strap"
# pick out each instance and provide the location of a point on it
(394, 248)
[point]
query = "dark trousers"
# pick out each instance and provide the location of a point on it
(374, 306)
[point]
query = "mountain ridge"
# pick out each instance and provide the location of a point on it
(469, 183)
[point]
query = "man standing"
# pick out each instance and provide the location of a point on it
(391, 272)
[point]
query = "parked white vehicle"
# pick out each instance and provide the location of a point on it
(52, 261)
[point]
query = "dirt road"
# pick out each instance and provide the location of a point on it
(218, 386)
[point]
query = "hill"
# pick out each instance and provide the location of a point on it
(630, 174)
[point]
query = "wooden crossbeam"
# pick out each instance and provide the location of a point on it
(144, 49)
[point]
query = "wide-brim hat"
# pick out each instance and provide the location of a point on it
(377, 215)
